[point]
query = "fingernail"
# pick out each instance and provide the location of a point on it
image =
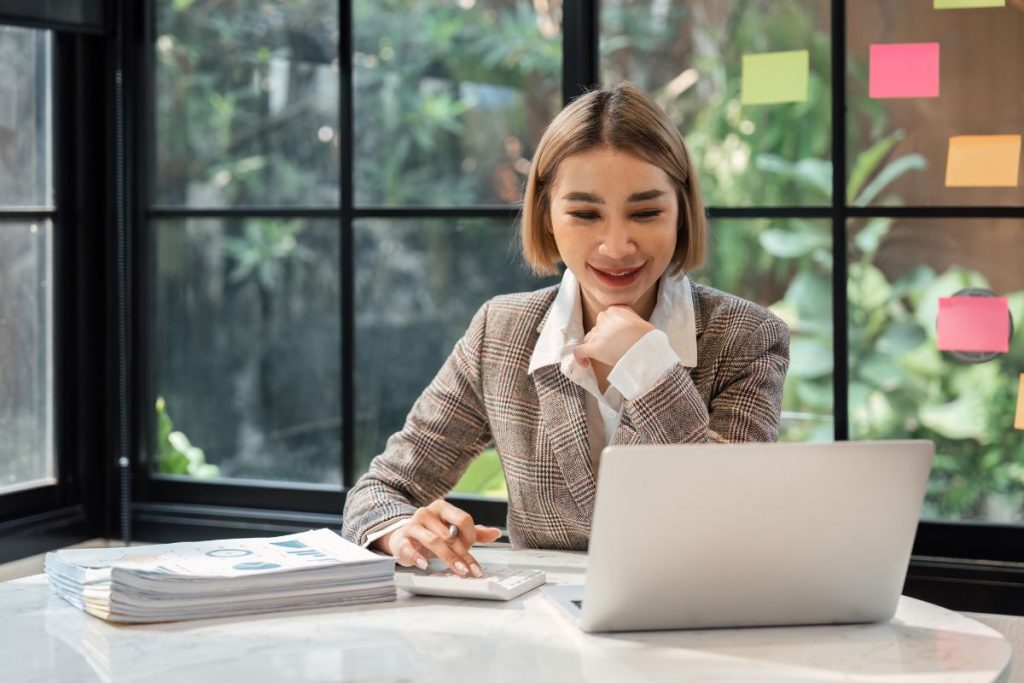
(460, 569)
(477, 572)
(422, 564)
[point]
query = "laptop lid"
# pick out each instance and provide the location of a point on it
(726, 535)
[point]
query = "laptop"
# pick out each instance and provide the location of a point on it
(731, 535)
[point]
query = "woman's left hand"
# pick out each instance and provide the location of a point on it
(614, 332)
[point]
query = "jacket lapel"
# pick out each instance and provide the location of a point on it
(563, 411)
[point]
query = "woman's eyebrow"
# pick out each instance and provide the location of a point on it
(594, 199)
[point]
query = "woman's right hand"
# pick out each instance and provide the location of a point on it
(426, 535)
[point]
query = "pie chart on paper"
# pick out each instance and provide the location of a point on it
(253, 566)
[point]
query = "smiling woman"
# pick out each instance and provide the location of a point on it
(626, 350)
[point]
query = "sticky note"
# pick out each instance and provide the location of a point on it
(775, 77)
(983, 161)
(1019, 422)
(904, 70)
(968, 4)
(974, 323)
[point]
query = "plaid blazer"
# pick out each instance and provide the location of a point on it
(483, 395)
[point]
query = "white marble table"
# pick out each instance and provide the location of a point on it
(434, 639)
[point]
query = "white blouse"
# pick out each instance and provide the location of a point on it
(674, 340)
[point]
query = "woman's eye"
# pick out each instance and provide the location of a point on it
(646, 215)
(583, 215)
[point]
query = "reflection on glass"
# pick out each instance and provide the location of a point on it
(26, 175)
(451, 97)
(247, 103)
(785, 265)
(902, 386)
(905, 142)
(418, 284)
(689, 55)
(26, 355)
(246, 342)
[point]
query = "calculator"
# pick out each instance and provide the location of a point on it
(497, 584)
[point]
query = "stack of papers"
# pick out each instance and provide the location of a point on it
(177, 581)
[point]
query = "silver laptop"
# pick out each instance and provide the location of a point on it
(727, 535)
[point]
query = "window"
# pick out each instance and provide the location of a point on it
(451, 97)
(245, 314)
(265, 251)
(247, 349)
(756, 174)
(27, 451)
(691, 57)
(246, 104)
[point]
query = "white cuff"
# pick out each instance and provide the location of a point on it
(384, 530)
(643, 365)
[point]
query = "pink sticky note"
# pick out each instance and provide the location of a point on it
(904, 70)
(974, 323)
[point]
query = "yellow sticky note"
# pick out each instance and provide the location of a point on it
(775, 77)
(983, 161)
(968, 4)
(1019, 422)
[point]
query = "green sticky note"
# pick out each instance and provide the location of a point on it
(775, 77)
(968, 4)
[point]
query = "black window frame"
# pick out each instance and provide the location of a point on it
(104, 430)
(74, 508)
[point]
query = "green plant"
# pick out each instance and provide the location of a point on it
(484, 477)
(902, 386)
(175, 453)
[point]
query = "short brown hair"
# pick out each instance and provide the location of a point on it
(624, 118)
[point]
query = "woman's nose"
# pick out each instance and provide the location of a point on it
(617, 243)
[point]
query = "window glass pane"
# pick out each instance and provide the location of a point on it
(247, 103)
(786, 265)
(966, 78)
(902, 386)
(246, 341)
(690, 56)
(451, 97)
(418, 284)
(26, 352)
(26, 173)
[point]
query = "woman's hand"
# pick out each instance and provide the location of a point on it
(426, 535)
(615, 331)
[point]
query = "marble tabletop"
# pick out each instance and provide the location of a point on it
(437, 639)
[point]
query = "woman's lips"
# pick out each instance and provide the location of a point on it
(617, 277)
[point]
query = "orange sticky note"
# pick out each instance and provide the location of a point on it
(974, 323)
(983, 161)
(1019, 422)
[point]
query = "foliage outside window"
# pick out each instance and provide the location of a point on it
(451, 97)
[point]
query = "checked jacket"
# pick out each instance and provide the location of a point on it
(484, 395)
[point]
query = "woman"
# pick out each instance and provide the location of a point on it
(625, 351)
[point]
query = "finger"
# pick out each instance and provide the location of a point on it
(438, 544)
(408, 553)
(460, 518)
(457, 544)
(487, 534)
(582, 355)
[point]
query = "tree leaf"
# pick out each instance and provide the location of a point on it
(787, 244)
(868, 160)
(896, 168)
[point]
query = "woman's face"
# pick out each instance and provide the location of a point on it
(614, 219)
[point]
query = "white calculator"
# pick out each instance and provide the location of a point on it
(495, 584)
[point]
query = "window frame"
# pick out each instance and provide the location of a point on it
(72, 509)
